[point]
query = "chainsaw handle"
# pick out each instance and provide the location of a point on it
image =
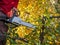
(16, 11)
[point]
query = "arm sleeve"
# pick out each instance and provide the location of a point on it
(1, 2)
(4, 1)
(16, 3)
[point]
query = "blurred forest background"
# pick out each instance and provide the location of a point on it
(32, 11)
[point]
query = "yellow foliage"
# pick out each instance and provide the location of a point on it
(49, 38)
(30, 11)
(51, 43)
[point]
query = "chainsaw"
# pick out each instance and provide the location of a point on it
(18, 21)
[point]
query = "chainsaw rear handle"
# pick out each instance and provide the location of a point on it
(16, 11)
